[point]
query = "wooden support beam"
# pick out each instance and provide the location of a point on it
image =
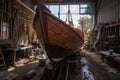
(25, 6)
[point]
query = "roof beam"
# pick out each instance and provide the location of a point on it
(67, 1)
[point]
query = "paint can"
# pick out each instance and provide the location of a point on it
(111, 51)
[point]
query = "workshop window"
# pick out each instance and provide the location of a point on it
(5, 19)
(4, 31)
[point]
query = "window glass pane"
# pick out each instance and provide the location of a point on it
(56, 15)
(4, 31)
(63, 17)
(74, 8)
(75, 18)
(35, 7)
(83, 5)
(54, 9)
(89, 10)
(86, 8)
(63, 9)
(82, 10)
(47, 6)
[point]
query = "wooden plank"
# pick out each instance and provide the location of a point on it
(64, 34)
(20, 2)
(60, 28)
(61, 39)
(67, 39)
(3, 60)
(30, 74)
(11, 76)
(55, 24)
(72, 45)
(61, 24)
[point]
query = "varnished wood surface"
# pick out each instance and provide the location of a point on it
(60, 40)
(60, 35)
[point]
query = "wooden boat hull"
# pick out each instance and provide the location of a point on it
(56, 37)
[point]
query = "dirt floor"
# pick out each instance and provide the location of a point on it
(21, 69)
(91, 68)
(99, 69)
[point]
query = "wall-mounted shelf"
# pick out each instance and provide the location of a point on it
(112, 25)
(112, 36)
(112, 30)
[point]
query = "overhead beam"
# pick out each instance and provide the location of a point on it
(67, 1)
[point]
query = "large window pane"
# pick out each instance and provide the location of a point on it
(90, 10)
(35, 7)
(54, 9)
(4, 30)
(63, 17)
(86, 9)
(83, 11)
(83, 5)
(47, 6)
(74, 8)
(75, 20)
(63, 9)
(56, 15)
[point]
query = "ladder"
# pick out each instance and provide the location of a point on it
(2, 61)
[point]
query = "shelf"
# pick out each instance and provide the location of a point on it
(113, 36)
(112, 25)
(112, 47)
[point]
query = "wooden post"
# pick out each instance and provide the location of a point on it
(43, 40)
(59, 12)
(82, 30)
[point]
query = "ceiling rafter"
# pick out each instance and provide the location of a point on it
(66, 1)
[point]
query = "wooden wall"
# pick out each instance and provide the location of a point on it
(108, 11)
(19, 18)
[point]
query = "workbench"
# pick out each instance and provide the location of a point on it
(113, 60)
(14, 51)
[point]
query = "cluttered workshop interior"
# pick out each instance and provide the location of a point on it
(59, 39)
